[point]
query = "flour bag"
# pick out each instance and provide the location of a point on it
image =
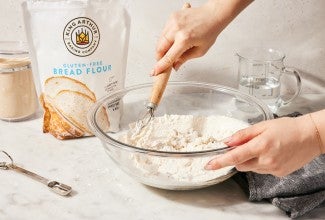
(79, 52)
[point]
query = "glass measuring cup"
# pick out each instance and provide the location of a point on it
(259, 74)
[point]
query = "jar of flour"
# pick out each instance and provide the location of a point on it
(17, 90)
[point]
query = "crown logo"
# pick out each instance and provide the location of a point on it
(82, 37)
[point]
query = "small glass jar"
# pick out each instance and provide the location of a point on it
(18, 99)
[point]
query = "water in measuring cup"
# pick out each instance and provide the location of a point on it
(266, 88)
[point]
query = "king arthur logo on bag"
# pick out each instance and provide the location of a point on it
(81, 36)
(79, 52)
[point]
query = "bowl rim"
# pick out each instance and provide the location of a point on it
(97, 131)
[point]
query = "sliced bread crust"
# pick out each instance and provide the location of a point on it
(54, 85)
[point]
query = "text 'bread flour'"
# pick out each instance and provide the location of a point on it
(79, 53)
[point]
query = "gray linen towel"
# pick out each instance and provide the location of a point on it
(296, 194)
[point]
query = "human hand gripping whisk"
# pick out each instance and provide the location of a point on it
(158, 89)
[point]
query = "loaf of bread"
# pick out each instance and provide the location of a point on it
(66, 103)
(55, 124)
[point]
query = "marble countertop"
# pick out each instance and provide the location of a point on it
(103, 191)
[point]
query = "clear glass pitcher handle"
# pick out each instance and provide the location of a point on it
(298, 85)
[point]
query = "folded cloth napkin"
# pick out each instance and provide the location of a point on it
(296, 194)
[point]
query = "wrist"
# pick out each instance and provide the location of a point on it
(231, 7)
(309, 134)
(318, 122)
(224, 11)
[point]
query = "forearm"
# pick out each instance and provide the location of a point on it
(226, 10)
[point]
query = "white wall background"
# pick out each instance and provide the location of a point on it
(296, 27)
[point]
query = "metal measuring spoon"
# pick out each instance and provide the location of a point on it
(55, 186)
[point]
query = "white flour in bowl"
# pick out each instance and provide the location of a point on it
(181, 133)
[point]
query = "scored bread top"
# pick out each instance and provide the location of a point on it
(54, 85)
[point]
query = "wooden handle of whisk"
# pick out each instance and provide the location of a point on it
(162, 79)
(159, 86)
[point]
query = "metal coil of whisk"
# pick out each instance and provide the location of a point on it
(146, 117)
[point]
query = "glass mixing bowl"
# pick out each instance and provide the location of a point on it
(159, 168)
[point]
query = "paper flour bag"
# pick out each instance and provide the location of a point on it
(79, 53)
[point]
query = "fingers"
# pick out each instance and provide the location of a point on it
(236, 156)
(244, 135)
(168, 49)
(191, 53)
(252, 165)
(174, 52)
(249, 165)
(164, 44)
(256, 166)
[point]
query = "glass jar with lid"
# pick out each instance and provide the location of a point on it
(18, 99)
